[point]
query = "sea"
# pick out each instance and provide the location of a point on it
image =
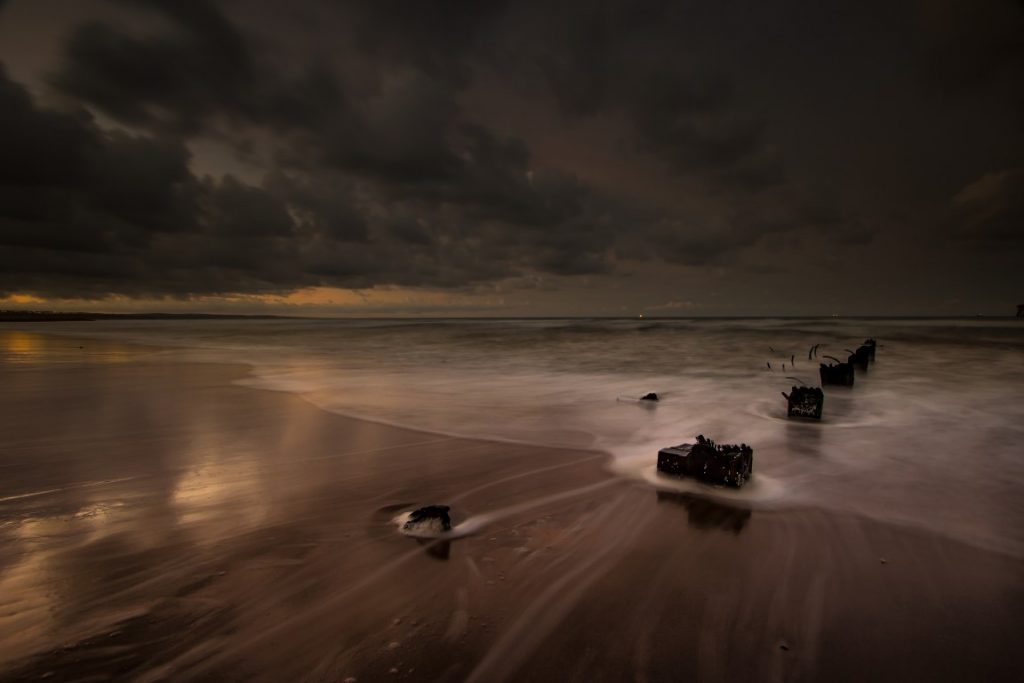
(930, 436)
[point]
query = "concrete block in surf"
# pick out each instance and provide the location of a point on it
(837, 372)
(870, 345)
(805, 402)
(723, 464)
(861, 357)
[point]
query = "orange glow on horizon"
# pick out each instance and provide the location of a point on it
(21, 299)
(385, 297)
(382, 296)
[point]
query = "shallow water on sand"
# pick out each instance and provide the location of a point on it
(159, 523)
(930, 436)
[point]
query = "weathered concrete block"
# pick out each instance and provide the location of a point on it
(805, 402)
(861, 357)
(836, 373)
(726, 464)
(870, 345)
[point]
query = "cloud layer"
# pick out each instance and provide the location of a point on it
(217, 148)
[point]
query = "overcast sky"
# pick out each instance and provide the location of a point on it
(513, 158)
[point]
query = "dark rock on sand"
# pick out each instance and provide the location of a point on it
(431, 515)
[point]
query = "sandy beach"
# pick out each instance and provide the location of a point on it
(159, 522)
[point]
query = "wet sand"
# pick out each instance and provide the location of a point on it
(159, 523)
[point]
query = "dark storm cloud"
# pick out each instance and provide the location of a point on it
(66, 184)
(197, 66)
(481, 210)
(142, 182)
(991, 210)
(637, 59)
(972, 43)
(399, 134)
(372, 127)
(94, 212)
(321, 205)
(427, 37)
(115, 213)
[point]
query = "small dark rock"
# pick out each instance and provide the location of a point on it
(430, 513)
(649, 397)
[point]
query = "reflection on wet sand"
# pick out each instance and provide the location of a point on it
(105, 514)
(166, 513)
(703, 513)
(18, 348)
(438, 549)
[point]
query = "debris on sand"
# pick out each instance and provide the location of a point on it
(649, 397)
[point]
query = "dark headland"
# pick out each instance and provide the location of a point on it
(64, 316)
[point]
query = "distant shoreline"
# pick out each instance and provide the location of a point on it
(57, 316)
